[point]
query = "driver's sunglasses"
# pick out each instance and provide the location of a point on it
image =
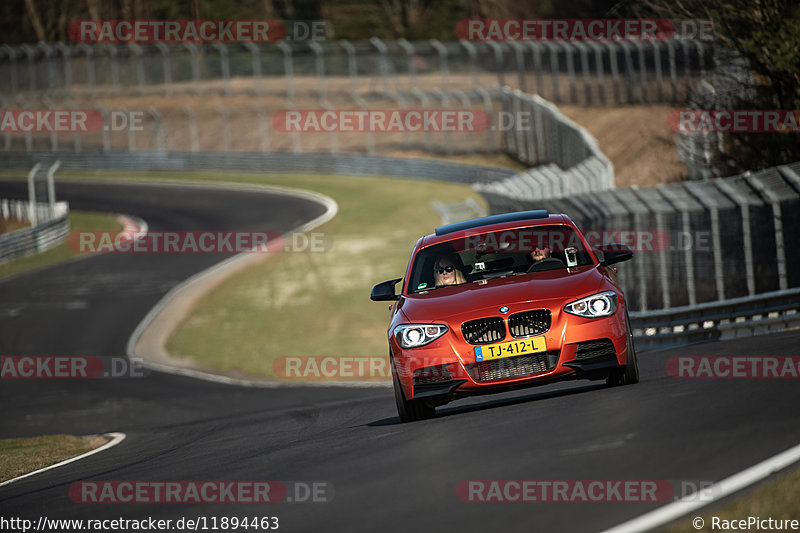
(448, 269)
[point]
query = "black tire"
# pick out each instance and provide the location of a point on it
(410, 410)
(629, 374)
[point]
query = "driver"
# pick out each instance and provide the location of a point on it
(447, 272)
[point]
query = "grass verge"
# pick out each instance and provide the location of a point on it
(776, 498)
(79, 221)
(317, 304)
(20, 456)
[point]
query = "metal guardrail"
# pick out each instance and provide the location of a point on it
(723, 320)
(38, 238)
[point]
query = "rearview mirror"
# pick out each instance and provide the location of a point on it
(384, 291)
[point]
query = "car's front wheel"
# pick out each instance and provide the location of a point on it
(629, 374)
(410, 410)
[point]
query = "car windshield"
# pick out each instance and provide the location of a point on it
(481, 256)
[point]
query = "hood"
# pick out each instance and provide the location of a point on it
(476, 299)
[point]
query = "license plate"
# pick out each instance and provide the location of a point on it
(509, 349)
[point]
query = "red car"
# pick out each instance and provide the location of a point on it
(503, 302)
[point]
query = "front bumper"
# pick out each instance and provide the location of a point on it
(577, 348)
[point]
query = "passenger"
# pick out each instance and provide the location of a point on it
(446, 272)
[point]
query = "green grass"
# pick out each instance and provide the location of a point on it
(302, 304)
(307, 304)
(778, 498)
(20, 456)
(79, 221)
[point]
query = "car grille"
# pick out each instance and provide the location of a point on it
(529, 323)
(484, 330)
(511, 367)
(595, 349)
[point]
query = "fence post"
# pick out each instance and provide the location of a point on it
(520, 61)
(262, 128)
(6, 134)
(137, 51)
(383, 63)
(445, 105)
(47, 51)
(166, 65)
(112, 54)
(226, 130)
(288, 69)
(777, 220)
(700, 194)
(659, 75)
(465, 102)
(12, 59)
(193, 136)
(30, 53)
(641, 51)
(352, 66)
(738, 198)
(498, 61)
(599, 69)
(410, 51)
(53, 135)
(473, 56)
(255, 56)
(51, 187)
(585, 71)
(536, 52)
(319, 63)
(195, 66)
(630, 73)
(65, 54)
(226, 68)
(32, 194)
(487, 107)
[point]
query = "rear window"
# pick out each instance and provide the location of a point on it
(480, 256)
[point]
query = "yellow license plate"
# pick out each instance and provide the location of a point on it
(510, 349)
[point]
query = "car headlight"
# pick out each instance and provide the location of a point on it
(595, 306)
(414, 335)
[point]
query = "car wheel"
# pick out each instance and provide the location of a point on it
(410, 410)
(629, 374)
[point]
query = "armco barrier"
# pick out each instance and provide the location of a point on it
(38, 238)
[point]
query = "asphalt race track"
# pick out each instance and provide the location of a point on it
(380, 475)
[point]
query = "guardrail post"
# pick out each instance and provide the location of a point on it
(90, 78)
(569, 52)
(519, 59)
(599, 69)
(445, 105)
(255, 56)
(424, 101)
(487, 107)
(23, 103)
(641, 51)
(630, 73)
(105, 131)
(555, 71)
(659, 75)
(401, 102)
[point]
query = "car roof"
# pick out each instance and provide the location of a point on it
(506, 221)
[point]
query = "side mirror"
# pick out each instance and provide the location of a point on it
(615, 253)
(384, 291)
